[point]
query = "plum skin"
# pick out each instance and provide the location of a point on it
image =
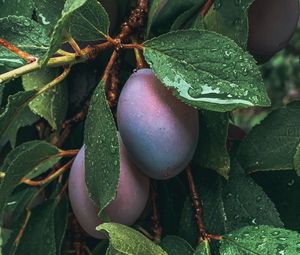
(271, 25)
(131, 199)
(159, 131)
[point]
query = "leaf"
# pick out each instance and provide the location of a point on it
(24, 33)
(90, 22)
(60, 30)
(175, 245)
(48, 12)
(51, 105)
(272, 144)
(16, 115)
(230, 18)
(261, 240)
(211, 152)
(125, 240)
(203, 249)
(84, 19)
(230, 205)
(1, 241)
(16, 7)
(297, 160)
(23, 160)
(155, 7)
(102, 161)
(41, 230)
(206, 70)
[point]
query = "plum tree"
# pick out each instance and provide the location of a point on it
(271, 25)
(132, 195)
(159, 131)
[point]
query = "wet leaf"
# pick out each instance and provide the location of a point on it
(125, 240)
(101, 150)
(297, 160)
(24, 33)
(261, 240)
(272, 144)
(22, 161)
(16, 7)
(203, 249)
(206, 70)
(51, 105)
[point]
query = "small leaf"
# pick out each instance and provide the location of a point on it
(51, 105)
(272, 144)
(102, 161)
(203, 249)
(14, 7)
(297, 160)
(125, 240)
(175, 245)
(23, 160)
(24, 33)
(261, 240)
(206, 70)
(16, 114)
(212, 152)
(90, 22)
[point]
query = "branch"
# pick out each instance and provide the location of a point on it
(28, 58)
(50, 178)
(206, 7)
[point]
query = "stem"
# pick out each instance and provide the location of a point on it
(155, 216)
(68, 153)
(75, 46)
(141, 63)
(206, 7)
(111, 62)
(22, 230)
(133, 46)
(197, 205)
(28, 58)
(51, 177)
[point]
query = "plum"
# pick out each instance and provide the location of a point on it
(159, 131)
(132, 195)
(271, 25)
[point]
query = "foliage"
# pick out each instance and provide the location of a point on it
(53, 101)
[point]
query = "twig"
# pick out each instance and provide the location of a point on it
(28, 58)
(108, 68)
(206, 7)
(75, 46)
(68, 153)
(155, 215)
(197, 205)
(51, 177)
(22, 230)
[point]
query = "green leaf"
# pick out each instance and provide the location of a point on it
(51, 105)
(297, 160)
(206, 70)
(155, 7)
(211, 152)
(1, 241)
(102, 162)
(23, 160)
(203, 249)
(48, 12)
(229, 205)
(24, 33)
(272, 144)
(16, 7)
(61, 28)
(16, 114)
(125, 240)
(90, 22)
(261, 240)
(175, 245)
(230, 18)
(41, 230)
